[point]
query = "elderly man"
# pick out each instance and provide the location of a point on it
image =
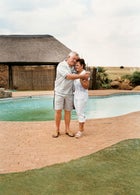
(64, 92)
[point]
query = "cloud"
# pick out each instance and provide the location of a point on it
(104, 32)
(41, 17)
(108, 37)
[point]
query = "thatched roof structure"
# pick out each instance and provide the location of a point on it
(43, 49)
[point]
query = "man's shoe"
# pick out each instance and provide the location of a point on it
(70, 134)
(56, 134)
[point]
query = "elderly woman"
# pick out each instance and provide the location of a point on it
(80, 95)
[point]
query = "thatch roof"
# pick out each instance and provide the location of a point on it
(31, 49)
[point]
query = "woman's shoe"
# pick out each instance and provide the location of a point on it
(78, 134)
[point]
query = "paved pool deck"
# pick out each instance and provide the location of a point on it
(29, 145)
(91, 92)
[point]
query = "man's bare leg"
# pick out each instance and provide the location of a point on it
(67, 118)
(58, 114)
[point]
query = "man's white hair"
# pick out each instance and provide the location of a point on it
(73, 53)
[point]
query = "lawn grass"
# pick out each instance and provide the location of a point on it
(112, 171)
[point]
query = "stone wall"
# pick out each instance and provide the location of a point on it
(4, 76)
(4, 93)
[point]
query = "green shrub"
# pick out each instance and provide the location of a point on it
(106, 86)
(102, 80)
(135, 79)
(126, 76)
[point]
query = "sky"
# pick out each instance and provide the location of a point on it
(103, 32)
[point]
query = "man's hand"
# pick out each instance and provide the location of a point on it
(85, 76)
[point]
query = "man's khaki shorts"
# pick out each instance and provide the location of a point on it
(63, 102)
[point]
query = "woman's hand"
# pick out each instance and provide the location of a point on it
(85, 83)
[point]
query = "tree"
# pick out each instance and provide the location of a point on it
(102, 80)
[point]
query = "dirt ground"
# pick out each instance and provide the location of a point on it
(29, 145)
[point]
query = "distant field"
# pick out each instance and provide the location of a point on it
(115, 72)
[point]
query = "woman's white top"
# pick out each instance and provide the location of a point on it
(80, 91)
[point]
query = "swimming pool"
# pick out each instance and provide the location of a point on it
(114, 105)
(40, 108)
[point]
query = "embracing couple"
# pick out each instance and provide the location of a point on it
(71, 79)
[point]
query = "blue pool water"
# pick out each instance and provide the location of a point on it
(111, 106)
(41, 108)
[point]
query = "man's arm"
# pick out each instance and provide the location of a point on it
(78, 76)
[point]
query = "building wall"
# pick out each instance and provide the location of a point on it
(33, 77)
(4, 76)
(37, 77)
